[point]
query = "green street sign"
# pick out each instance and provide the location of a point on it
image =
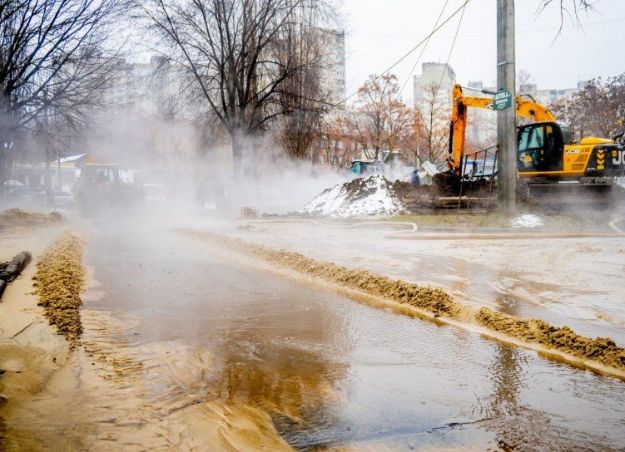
(502, 100)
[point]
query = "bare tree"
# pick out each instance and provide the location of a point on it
(303, 96)
(568, 8)
(380, 117)
(573, 7)
(524, 82)
(339, 142)
(229, 46)
(434, 122)
(597, 109)
(51, 65)
(411, 142)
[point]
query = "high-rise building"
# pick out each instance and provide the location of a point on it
(435, 78)
(333, 64)
(145, 88)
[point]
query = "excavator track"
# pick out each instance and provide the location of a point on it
(562, 194)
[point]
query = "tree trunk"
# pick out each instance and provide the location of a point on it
(238, 145)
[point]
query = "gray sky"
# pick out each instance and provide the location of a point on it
(380, 31)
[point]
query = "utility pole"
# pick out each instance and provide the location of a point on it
(506, 117)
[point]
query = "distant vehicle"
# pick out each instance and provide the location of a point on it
(367, 167)
(61, 198)
(100, 186)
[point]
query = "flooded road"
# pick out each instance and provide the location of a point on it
(328, 370)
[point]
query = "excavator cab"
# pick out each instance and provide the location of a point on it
(541, 146)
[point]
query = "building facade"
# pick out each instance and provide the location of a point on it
(145, 89)
(333, 65)
(434, 77)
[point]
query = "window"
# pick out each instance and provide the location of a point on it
(531, 138)
(541, 147)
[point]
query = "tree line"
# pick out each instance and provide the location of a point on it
(597, 109)
(251, 69)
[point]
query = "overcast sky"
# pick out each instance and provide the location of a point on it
(378, 32)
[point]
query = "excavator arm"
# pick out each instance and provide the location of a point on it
(526, 108)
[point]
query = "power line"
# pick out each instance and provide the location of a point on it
(451, 49)
(483, 35)
(407, 54)
(423, 49)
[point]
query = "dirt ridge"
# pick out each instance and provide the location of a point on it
(600, 349)
(433, 300)
(20, 218)
(58, 282)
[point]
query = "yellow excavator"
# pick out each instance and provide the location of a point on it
(552, 168)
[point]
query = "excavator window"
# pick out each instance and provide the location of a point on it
(540, 147)
(531, 138)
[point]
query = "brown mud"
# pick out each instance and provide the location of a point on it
(562, 339)
(415, 198)
(437, 302)
(58, 281)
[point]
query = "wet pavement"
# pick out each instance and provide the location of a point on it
(331, 371)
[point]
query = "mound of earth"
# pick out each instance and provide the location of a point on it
(19, 217)
(360, 197)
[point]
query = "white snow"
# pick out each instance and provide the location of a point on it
(430, 168)
(527, 221)
(371, 196)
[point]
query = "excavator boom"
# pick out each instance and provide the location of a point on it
(526, 108)
(549, 162)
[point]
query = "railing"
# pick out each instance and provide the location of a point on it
(476, 167)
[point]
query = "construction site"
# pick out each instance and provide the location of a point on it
(387, 290)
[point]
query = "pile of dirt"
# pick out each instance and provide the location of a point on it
(18, 217)
(434, 301)
(360, 197)
(58, 283)
(563, 339)
(430, 299)
(416, 198)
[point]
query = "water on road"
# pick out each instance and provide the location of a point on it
(329, 370)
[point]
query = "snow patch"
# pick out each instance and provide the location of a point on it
(527, 221)
(360, 197)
